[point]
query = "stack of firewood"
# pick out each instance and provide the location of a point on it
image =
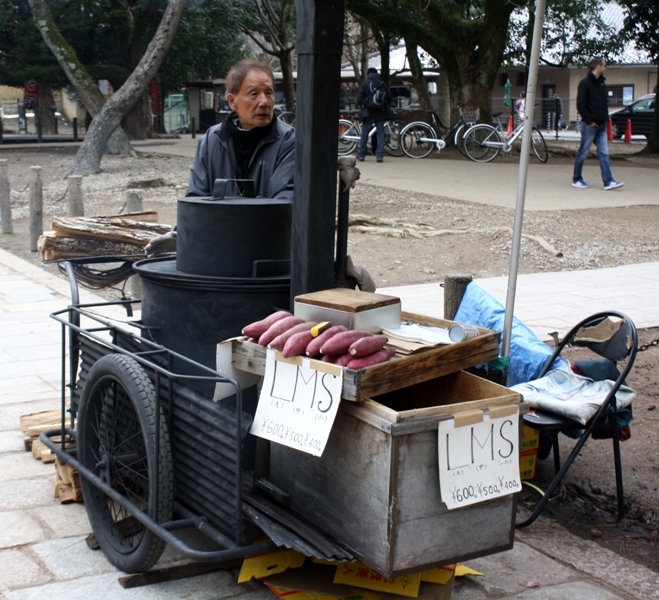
(112, 235)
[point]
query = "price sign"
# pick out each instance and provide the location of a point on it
(479, 456)
(298, 402)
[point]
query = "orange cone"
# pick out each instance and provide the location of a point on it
(511, 127)
(609, 131)
(628, 131)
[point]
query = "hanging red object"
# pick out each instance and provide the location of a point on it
(628, 131)
(609, 131)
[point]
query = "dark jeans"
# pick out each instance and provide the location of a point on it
(367, 125)
(590, 135)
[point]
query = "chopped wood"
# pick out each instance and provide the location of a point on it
(67, 486)
(104, 228)
(53, 246)
(146, 216)
(40, 417)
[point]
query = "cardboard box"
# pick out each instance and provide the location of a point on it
(530, 438)
(527, 464)
(376, 487)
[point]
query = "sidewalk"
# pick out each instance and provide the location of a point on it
(42, 547)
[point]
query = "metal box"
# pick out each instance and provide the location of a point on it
(376, 487)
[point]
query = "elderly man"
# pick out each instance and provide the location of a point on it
(249, 144)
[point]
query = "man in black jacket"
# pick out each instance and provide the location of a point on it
(373, 115)
(593, 106)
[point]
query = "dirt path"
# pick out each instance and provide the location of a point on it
(471, 238)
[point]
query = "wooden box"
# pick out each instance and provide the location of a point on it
(399, 372)
(376, 486)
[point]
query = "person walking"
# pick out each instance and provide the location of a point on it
(520, 106)
(559, 122)
(592, 105)
(374, 99)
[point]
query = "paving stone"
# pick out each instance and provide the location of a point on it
(71, 558)
(22, 465)
(19, 570)
(24, 389)
(18, 528)
(510, 571)
(65, 520)
(212, 586)
(28, 493)
(576, 590)
(11, 413)
(11, 441)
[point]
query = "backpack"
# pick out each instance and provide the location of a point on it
(377, 96)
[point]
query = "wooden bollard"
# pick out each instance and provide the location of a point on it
(454, 290)
(36, 207)
(76, 201)
(134, 201)
(5, 199)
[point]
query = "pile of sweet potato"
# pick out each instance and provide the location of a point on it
(331, 343)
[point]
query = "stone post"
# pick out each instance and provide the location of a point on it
(36, 207)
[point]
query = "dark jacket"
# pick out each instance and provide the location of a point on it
(592, 101)
(271, 166)
(364, 91)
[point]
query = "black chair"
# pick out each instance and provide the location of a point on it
(621, 345)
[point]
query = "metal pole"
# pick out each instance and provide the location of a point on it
(522, 176)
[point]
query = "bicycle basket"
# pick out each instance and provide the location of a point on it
(470, 115)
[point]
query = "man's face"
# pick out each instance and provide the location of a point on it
(599, 69)
(255, 100)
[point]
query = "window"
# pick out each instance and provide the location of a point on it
(620, 95)
(521, 78)
(503, 77)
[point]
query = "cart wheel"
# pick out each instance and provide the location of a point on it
(116, 440)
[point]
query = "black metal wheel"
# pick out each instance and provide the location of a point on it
(117, 441)
(539, 145)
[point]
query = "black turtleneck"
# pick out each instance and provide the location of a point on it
(245, 142)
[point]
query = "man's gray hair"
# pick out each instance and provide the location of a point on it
(237, 73)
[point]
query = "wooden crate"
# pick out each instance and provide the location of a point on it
(399, 372)
(376, 486)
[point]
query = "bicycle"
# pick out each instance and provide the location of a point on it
(483, 142)
(350, 135)
(286, 116)
(419, 138)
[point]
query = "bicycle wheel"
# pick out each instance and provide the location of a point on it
(392, 145)
(417, 139)
(478, 143)
(348, 137)
(539, 145)
(459, 138)
(287, 117)
(117, 441)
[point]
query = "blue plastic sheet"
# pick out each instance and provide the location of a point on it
(528, 354)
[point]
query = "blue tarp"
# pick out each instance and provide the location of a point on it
(528, 354)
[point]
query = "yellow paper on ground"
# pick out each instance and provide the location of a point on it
(262, 565)
(461, 570)
(359, 575)
(441, 575)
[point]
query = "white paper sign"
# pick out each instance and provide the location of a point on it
(478, 461)
(298, 403)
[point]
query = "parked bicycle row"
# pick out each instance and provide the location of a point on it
(479, 142)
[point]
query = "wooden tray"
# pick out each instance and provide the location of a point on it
(398, 373)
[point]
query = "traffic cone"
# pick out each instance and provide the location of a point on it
(511, 127)
(628, 131)
(609, 131)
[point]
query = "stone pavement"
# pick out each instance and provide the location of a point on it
(42, 549)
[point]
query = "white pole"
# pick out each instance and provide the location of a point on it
(521, 178)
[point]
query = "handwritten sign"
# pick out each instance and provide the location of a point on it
(479, 456)
(298, 402)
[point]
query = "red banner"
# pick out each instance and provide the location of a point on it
(30, 94)
(154, 90)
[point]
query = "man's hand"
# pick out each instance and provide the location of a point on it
(362, 276)
(161, 244)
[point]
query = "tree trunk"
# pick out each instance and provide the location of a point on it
(138, 123)
(88, 158)
(411, 49)
(652, 147)
(47, 108)
(286, 61)
(86, 87)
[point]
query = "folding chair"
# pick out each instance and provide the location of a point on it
(622, 344)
